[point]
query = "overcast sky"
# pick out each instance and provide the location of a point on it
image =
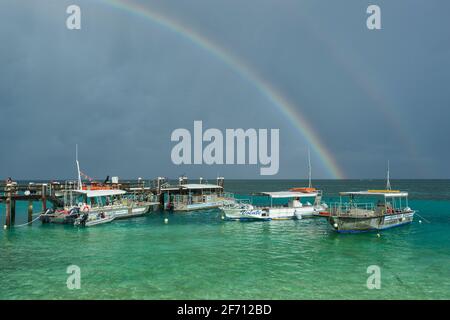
(119, 86)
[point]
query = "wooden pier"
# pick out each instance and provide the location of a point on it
(52, 192)
(44, 192)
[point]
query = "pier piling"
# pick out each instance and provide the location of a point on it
(8, 209)
(13, 212)
(44, 197)
(30, 211)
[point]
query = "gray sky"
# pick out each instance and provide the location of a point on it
(119, 86)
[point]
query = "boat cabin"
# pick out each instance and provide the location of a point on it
(193, 196)
(278, 198)
(371, 203)
(93, 198)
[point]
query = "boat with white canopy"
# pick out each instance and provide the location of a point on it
(361, 213)
(370, 210)
(91, 207)
(294, 208)
(87, 207)
(278, 208)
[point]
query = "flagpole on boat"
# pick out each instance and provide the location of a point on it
(80, 185)
(388, 180)
(309, 169)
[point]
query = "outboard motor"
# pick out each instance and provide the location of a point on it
(44, 217)
(84, 218)
(74, 212)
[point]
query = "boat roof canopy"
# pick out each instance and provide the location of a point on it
(384, 193)
(303, 189)
(288, 194)
(100, 193)
(193, 186)
(200, 186)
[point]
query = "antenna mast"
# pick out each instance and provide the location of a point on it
(80, 184)
(388, 179)
(309, 169)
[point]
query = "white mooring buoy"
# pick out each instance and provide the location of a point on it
(166, 221)
(420, 221)
(378, 235)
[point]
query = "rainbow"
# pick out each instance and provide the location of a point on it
(368, 85)
(265, 88)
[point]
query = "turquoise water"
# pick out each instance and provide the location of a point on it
(199, 256)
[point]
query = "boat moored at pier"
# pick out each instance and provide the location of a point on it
(84, 206)
(194, 196)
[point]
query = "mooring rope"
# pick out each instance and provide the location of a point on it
(25, 224)
(422, 217)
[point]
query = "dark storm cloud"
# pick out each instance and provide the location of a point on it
(122, 84)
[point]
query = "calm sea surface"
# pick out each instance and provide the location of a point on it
(199, 256)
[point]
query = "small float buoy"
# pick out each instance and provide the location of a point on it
(335, 225)
(222, 217)
(4, 226)
(420, 221)
(166, 220)
(378, 235)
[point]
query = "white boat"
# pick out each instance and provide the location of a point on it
(92, 205)
(110, 202)
(242, 210)
(294, 208)
(89, 220)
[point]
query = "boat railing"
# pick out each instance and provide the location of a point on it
(232, 203)
(352, 209)
(190, 199)
(228, 196)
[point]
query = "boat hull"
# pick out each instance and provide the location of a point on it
(136, 211)
(308, 211)
(118, 212)
(198, 206)
(283, 213)
(367, 224)
(249, 214)
(287, 213)
(91, 223)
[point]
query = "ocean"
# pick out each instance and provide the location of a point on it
(197, 255)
